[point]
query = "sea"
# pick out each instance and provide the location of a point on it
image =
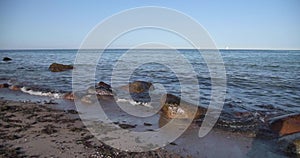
(265, 82)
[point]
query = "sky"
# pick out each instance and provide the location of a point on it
(50, 24)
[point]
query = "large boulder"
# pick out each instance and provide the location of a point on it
(7, 59)
(138, 87)
(55, 67)
(174, 107)
(286, 125)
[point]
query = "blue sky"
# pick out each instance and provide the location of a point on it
(255, 24)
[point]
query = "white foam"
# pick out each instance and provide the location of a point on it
(132, 102)
(38, 93)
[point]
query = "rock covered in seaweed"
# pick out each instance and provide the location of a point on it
(55, 67)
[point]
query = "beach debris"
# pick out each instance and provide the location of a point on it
(285, 125)
(49, 129)
(138, 87)
(4, 85)
(174, 107)
(55, 67)
(6, 59)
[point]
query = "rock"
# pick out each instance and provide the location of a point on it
(127, 126)
(15, 87)
(138, 87)
(286, 125)
(102, 89)
(4, 85)
(171, 108)
(7, 59)
(104, 85)
(294, 148)
(290, 144)
(69, 96)
(55, 67)
(72, 111)
(147, 124)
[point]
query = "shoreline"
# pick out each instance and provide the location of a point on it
(55, 127)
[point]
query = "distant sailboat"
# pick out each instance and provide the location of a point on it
(226, 47)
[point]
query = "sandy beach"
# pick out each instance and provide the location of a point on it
(35, 130)
(35, 126)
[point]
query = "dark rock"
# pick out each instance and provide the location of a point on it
(4, 85)
(172, 143)
(138, 87)
(147, 124)
(7, 59)
(174, 107)
(55, 67)
(72, 112)
(100, 90)
(286, 125)
(104, 85)
(126, 126)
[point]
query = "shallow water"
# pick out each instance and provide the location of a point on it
(262, 81)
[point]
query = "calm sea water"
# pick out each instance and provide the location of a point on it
(257, 80)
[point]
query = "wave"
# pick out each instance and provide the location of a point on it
(39, 93)
(132, 102)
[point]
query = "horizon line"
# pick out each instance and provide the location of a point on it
(20, 49)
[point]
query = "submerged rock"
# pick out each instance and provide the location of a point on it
(15, 87)
(174, 107)
(4, 85)
(286, 125)
(138, 87)
(55, 67)
(7, 59)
